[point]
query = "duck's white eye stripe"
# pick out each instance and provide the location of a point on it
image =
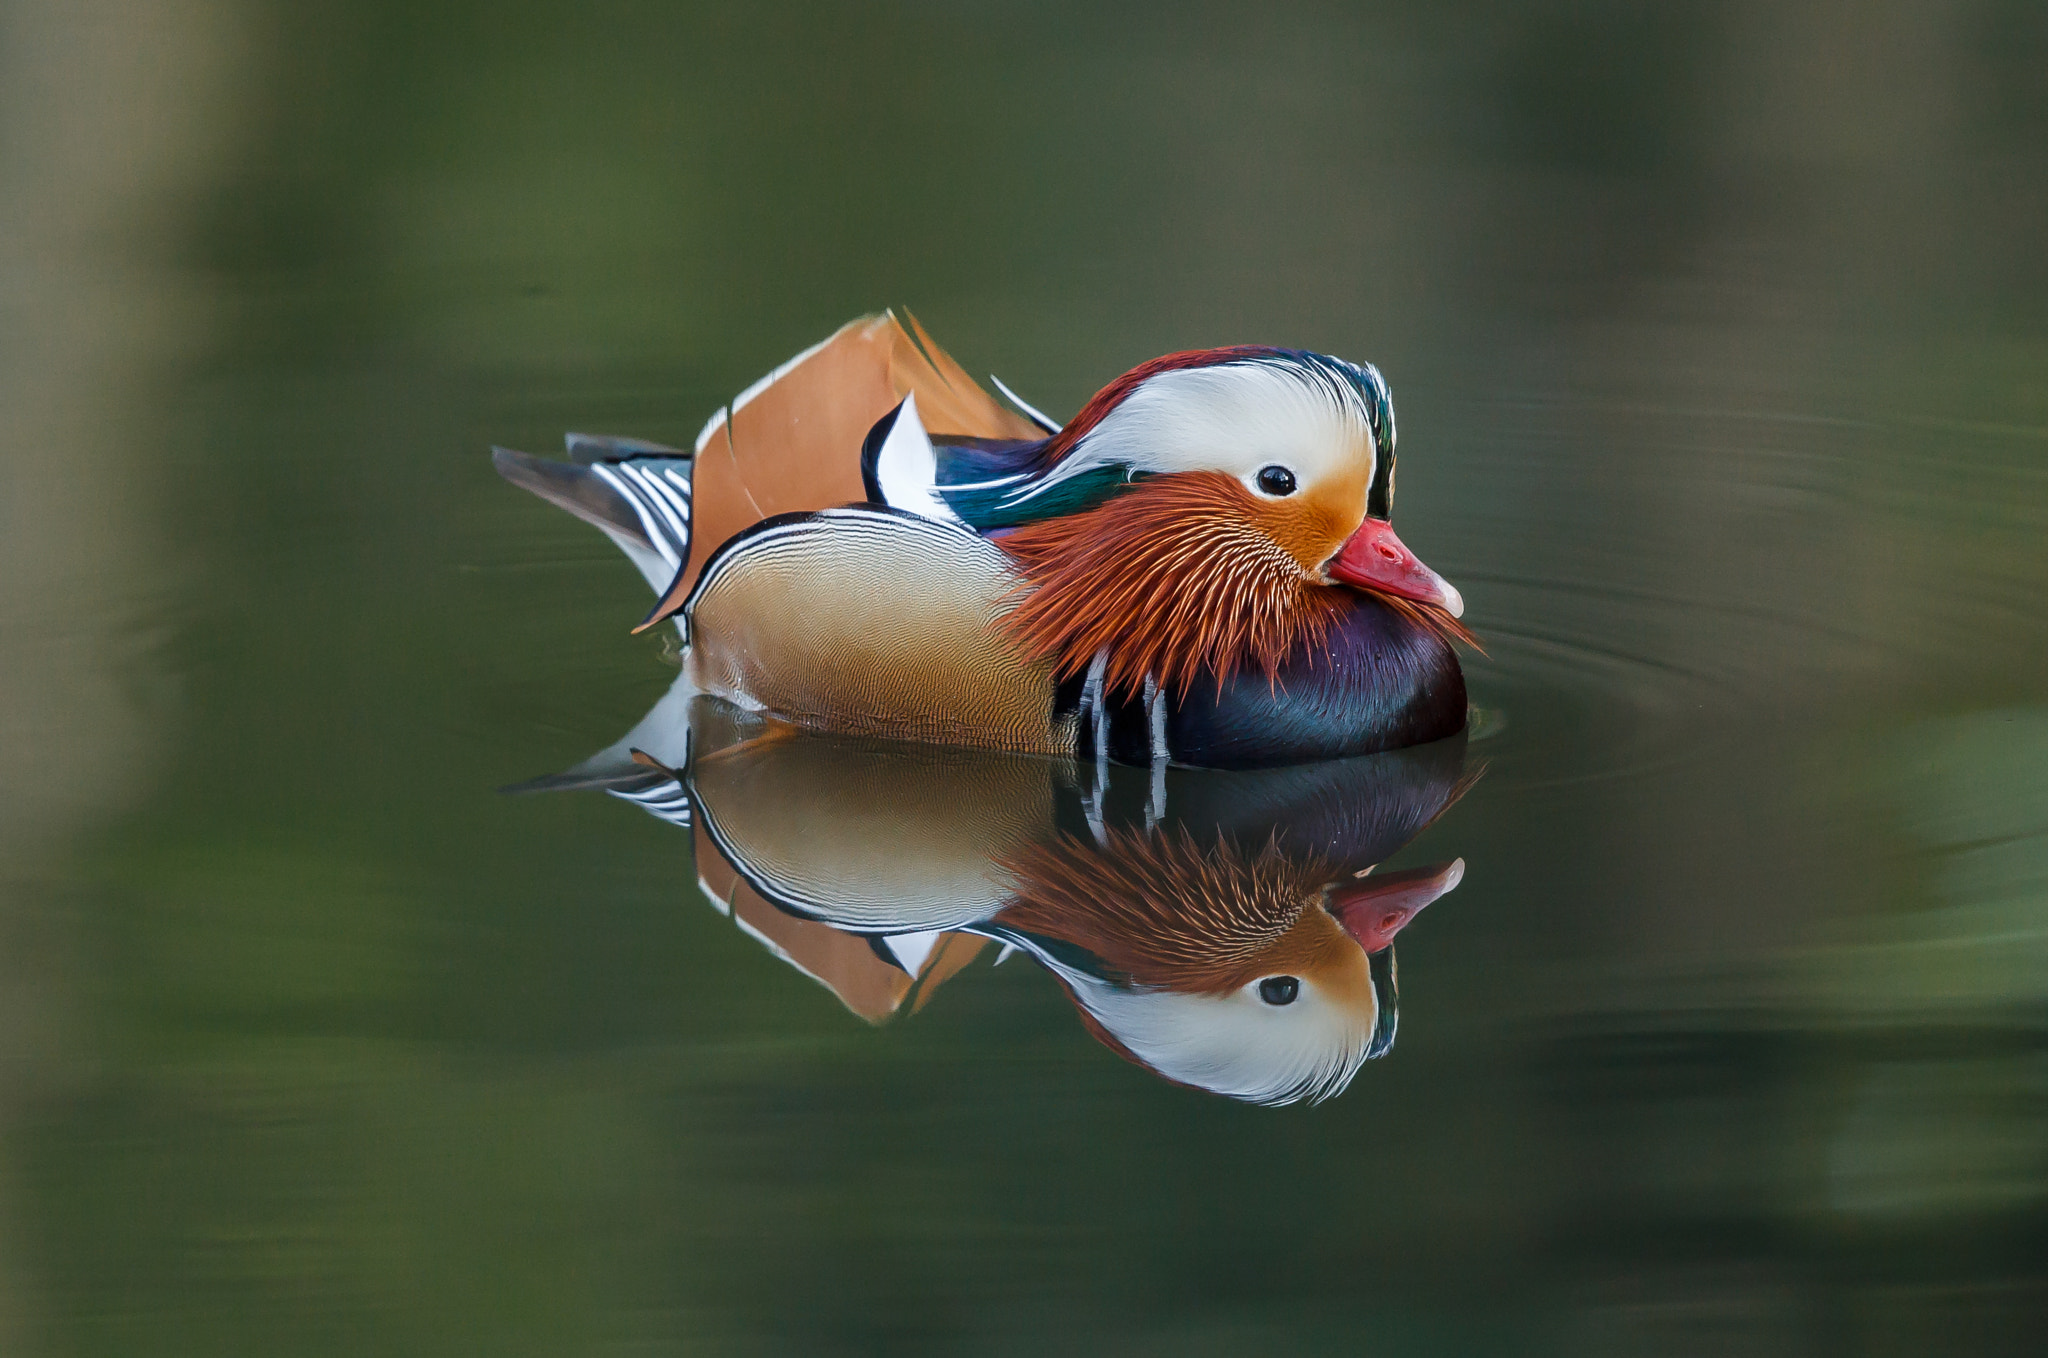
(1235, 418)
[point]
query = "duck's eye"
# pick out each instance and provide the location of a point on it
(1278, 990)
(1276, 481)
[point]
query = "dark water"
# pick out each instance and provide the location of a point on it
(1719, 336)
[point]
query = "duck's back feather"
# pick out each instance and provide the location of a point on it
(792, 443)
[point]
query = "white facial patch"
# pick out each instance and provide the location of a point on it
(1235, 418)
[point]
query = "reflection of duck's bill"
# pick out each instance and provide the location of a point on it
(1374, 909)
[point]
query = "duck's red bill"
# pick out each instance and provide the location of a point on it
(1373, 558)
(1374, 909)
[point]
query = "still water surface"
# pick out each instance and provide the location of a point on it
(1720, 346)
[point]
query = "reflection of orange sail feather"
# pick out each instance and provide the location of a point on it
(843, 963)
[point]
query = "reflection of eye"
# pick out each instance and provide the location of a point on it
(1276, 481)
(1279, 989)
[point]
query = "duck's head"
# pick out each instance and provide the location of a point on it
(1204, 510)
(1245, 975)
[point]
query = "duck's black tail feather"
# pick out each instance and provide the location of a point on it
(637, 492)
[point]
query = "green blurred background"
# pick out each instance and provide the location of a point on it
(1719, 334)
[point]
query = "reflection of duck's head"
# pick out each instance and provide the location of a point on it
(1238, 973)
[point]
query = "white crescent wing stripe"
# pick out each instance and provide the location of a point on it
(1038, 417)
(781, 371)
(1011, 479)
(711, 426)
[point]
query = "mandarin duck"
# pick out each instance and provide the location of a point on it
(1224, 930)
(1198, 569)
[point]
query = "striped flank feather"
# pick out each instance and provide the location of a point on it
(661, 795)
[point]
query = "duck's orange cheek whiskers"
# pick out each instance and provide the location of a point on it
(1373, 558)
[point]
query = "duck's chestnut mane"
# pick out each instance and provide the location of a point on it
(1170, 578)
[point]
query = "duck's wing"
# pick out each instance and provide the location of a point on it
(792, 442)
(872, 622)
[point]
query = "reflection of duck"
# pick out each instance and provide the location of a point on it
(1219, 928)
(1198, 567)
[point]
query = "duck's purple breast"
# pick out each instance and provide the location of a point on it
(1377, 681)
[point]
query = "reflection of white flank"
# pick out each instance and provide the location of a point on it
(664, 734)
